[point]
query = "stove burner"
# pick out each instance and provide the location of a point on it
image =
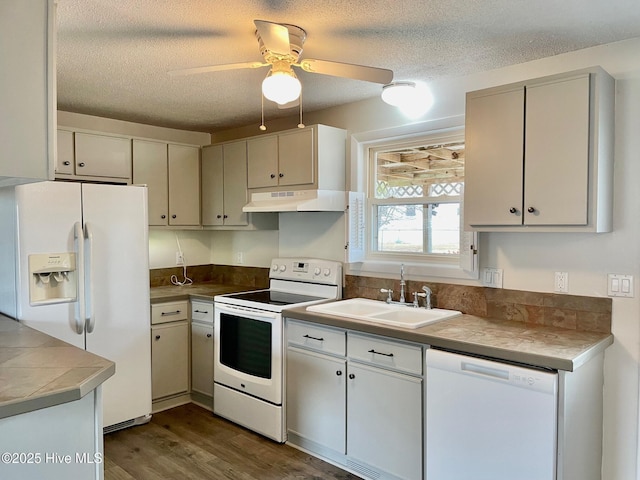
(273, 297)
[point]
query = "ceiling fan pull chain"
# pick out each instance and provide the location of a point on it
(300, 125)
(263, 127)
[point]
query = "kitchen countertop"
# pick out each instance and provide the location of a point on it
(38, 371)
(538, 345)
(200, 291)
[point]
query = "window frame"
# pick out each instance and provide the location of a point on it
(388, 263)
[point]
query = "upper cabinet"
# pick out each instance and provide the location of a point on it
(224, 189)
(309, 158)
(539, 155)
(172, 176)
(27, 96)
(93, 157)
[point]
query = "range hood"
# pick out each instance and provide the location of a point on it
(297, 201)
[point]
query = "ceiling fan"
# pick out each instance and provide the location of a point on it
(281, 48)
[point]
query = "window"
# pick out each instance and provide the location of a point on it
(415, 194)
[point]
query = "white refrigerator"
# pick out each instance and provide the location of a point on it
(81, 269)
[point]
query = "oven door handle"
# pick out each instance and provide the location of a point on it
(249, 312)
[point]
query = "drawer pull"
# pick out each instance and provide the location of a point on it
(166, 314)
(200, 311)
(157, 337)
(209, 335)
(319, 339)
(380, 353)
(352, 376)
(339, 372)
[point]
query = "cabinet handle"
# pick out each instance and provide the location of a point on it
(67, 162)
(163, 216)
(200, 311)
(320, 339)
(166, 314)
(273, 175)
(339, 373)
(173, 216)
(513, 210)
(281, 175)
(531, 209)
(225, 216)
(157, 337)
(81, 164)
(209, 335)
(380, 353)
(218, 216)
(352, 376)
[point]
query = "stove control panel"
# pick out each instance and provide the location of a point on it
(307, 270)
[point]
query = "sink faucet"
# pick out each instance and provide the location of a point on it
(427, 298)
(402, 283)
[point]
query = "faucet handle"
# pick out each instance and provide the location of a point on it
(426, 290)
(387, 291)
(415, 298)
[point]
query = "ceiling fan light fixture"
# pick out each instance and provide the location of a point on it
(281, 86)
(398, 94)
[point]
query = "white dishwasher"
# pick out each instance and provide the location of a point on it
(487, 420)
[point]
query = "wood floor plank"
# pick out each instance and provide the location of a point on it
(189, 442)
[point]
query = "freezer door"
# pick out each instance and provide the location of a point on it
(117, 286)
(46, 214)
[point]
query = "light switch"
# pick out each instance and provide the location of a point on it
(492, 277)
(619, 285)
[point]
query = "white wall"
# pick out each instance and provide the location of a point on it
(530, 260)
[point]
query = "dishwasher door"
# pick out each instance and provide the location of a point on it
(489, 421)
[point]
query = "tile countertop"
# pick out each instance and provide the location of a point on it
(538, 345)
(200, 291)
(38, 371)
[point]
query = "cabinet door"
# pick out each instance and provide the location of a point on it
(384, 412)
(169, 359)
(213, 185)
(296, 158)
(235, 178)
(102, 156)
(262, 161)
(65, 159)
(202, 358)
(150, 169)
(494, 129)
(184, 185)
(27, 93)
(316, 398)
(556, 176)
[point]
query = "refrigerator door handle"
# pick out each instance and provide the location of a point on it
(78, 237)
(89, 314)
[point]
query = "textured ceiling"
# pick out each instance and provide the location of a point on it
(113, 56)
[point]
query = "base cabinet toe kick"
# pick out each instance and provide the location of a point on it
(385, 408)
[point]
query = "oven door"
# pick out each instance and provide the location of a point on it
(248, 351)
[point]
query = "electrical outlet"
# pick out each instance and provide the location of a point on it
(179, 258)
(239, 258)
(561, 282)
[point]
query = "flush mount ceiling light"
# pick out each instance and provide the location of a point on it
(281, 85)
(398, 94)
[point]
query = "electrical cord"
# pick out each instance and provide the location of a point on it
(186, 280)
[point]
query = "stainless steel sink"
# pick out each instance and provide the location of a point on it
(375, 311)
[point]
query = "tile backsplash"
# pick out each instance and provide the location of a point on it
(560, 310)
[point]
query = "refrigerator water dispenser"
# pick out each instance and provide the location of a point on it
(53, 278)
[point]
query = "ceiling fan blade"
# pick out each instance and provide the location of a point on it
(275, 37)
(216, 68)
(347, 70)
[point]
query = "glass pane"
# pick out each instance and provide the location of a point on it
(245, 345)
(431, 229)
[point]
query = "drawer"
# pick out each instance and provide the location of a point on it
(169, 312)
(316, 337)
(384, 352)
(202, 312)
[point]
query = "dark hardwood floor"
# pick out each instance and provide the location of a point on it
(189, 442)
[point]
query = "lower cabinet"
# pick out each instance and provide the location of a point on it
(202, 348)
(169, 349)
(360, 406)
